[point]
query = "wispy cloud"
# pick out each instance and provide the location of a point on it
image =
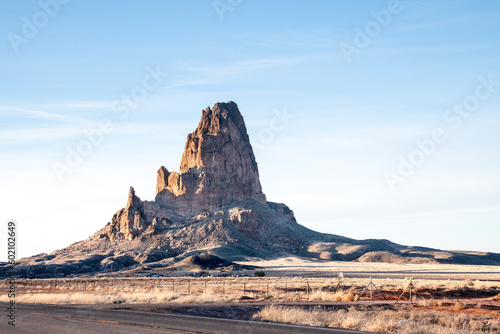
(313, 39)
(72, 131)
(199, 75)
(436, 23)
(47, 116)
(29, 135)
(97, 105)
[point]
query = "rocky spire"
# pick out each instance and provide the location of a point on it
(217, 168)
(133, 201)
(128, 221)
(162, 179)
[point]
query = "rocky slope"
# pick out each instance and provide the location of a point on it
(215, 205)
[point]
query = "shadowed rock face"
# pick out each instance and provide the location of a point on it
(217, 168)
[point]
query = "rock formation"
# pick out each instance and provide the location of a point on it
(129, 220)
(215, 205)
(217, 168)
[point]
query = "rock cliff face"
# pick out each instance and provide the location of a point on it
(217, 168)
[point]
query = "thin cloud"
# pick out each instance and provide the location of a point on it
(48, 116)
(37, 134)
(27, 135)
(213, 74)
(437, 23)
(97, 105)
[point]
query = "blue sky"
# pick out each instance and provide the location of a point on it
(346, 121)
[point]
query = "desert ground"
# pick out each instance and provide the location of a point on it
(445, 298)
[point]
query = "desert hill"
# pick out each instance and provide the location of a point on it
(215, 205)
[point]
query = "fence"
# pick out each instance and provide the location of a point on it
(243, 286)
(253, 287)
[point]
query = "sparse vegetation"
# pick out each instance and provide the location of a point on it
(259, 273)
(449, 306)
(337, 296)
(388, 321)
(223, 289)
(459, 306)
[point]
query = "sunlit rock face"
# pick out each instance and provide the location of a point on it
(217, 168)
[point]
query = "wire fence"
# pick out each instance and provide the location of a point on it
(253, 287)
(245, 286)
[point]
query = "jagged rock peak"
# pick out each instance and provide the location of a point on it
(217, 168)
(133, 201)
(162, 179)
(223, 124)
(129, 221)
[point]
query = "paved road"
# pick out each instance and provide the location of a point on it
(74, 320)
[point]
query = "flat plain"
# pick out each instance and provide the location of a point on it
(445, 298)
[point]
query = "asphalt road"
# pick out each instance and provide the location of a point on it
(72, 320)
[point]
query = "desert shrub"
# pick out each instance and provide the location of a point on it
(459, 306)
(259, 273)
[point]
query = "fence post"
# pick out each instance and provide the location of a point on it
(244, 288)
(267, 290)
(371, 290)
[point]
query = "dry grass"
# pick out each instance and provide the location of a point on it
(337, 296)
(92, 297)
(278, 289)
(459, 306)
(276, 284)
(210, 290)
(388, 321)
(182, 290)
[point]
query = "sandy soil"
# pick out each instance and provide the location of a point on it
(293, 266)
